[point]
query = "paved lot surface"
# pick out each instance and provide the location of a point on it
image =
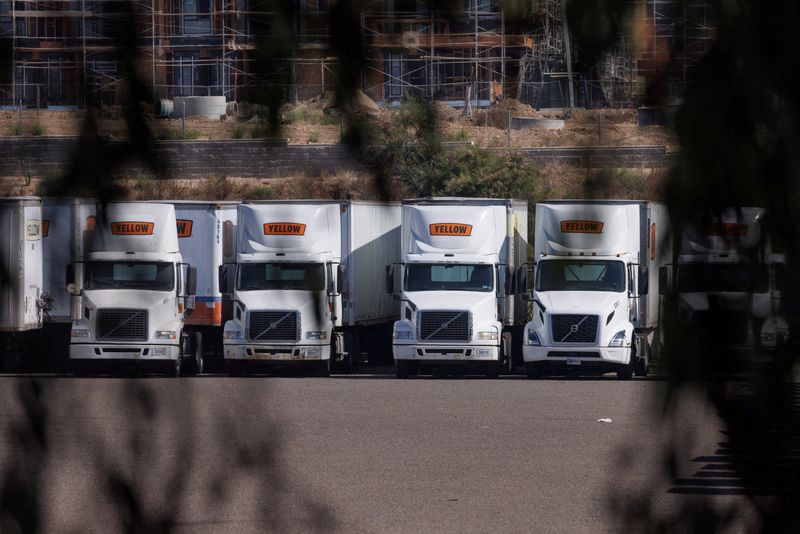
(362, 453)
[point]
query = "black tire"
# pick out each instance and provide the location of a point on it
(492, 370)
(404, 368)
(199, 359)
(625, 371)
(323, 368)
(641, 364)
(174, 367)
(81, 369)
(533, 370)
(235, 368)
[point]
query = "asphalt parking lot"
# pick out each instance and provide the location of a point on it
(356, 453)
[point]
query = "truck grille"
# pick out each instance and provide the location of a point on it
(274, 326)
(125, 325)
(574, 328)
(444, 326)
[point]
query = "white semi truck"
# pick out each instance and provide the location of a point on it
(207, 240)
(307, 282)
(596, 299)
(454, 283)
(134, 289)
(729, 277)
(21, 291)
(67, 230)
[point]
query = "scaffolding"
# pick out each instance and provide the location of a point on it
(75, 53)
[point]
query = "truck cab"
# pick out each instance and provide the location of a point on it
(729, 279)
(284, 288)
(595, 297)
(134, 291)
(454, 283)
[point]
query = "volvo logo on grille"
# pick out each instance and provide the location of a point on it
(573, 328)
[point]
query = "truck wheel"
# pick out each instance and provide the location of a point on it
(173, 368)
(625, 371)
(235, 368)
(199, 361)
(533, 370)
(81, 369)
(492, 370)
(323, 367)
(404, 368)
(641, 365)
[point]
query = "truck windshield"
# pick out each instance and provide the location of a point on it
(146, 275)
(448, 277)
(580, 275)
(721, 277)
(261, 276)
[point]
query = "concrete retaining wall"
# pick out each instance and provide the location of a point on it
(39, 156)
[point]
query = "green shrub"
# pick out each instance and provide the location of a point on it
(296, 115)
(37, 129)
(238, 132)
(262, 192)
(314, 137)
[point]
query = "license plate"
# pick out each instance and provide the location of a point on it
(573, 361)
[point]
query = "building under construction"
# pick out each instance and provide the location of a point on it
(76, 53)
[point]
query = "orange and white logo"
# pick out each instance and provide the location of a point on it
(132, 228)
(185, 227)
(284, 228)
(727, 230)
(454, 229)
(581, 227)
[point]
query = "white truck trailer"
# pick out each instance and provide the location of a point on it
(596, 301)
(67, 229)
(455, 285)
(307, 282)
(728, 277)
(21, 291)
(134, 288)
(207, 240)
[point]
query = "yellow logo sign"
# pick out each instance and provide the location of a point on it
(284, 228)
(727, 230)
(185, 227)
(581, 227)
(454, 229)
(132, 228)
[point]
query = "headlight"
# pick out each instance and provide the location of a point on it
(81, 333)
(232, 334)
(317, 334)
(166, 334)
(618, 340)
(487, 335)
(533, 338)
(402, 334)
(312, 352)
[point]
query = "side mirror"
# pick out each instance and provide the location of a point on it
(502, 281)
(341, 279)
(644, 281)
(665, 280)
(390, 280)
(332, 286)
(70, 280)
(191, 281)
(225, 278)
(522, 278)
